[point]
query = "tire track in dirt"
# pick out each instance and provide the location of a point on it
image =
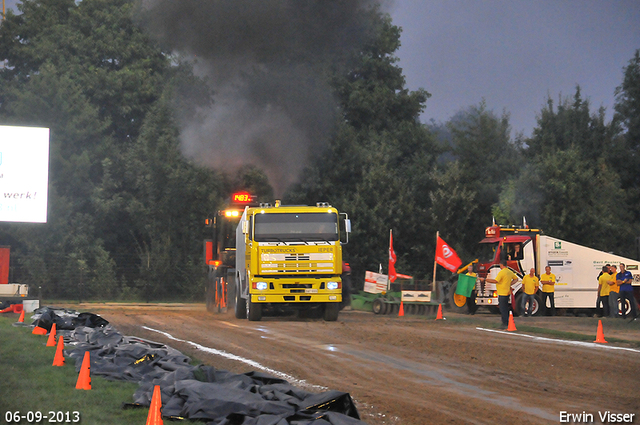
(411, 371)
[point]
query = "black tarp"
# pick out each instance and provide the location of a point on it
(200, 392)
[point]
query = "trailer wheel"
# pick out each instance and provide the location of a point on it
(331, 311)
(254, 310)
(241, 305)
(457, 303)
(379, 307)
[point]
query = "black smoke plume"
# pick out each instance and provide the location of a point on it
(267, 62)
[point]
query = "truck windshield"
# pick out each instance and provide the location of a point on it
(296, 227)
(487, 252)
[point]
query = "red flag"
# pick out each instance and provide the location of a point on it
(446, 256)
(392, 259)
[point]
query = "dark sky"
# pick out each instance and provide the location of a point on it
(515, 53)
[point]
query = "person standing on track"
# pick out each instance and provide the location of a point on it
(503, 281)
(624, 279)
(603, 291)
(530, 283)
(614, 290)
(548, 281)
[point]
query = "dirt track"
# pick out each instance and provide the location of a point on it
(415, 370)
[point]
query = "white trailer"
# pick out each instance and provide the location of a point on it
(576, 268)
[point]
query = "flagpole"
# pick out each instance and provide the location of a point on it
(388, 268)
(434, 289)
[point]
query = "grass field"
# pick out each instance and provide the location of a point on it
(29, 383)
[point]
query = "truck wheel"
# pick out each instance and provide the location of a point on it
(346, 291)
(331, 311)
(457, 303)
(535, 311)
(254, 311)
(471, 303)
(623, 305)
(379, 306)
(241, 305)
(209, 295)
(517, 309)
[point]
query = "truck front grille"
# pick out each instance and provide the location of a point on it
(313, 262)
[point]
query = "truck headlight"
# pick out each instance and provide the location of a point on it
(261, 286)
(332, 285)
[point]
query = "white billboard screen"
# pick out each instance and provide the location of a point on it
(24, 174)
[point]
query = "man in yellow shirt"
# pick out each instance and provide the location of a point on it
(548, 281)
(503, 281)
(530, 284)
(603, 290)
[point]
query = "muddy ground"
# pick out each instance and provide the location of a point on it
(415, 370)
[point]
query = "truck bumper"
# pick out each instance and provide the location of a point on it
(259, 297)
(486, 301)
(295, 290)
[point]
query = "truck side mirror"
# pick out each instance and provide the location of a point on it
(347, 229)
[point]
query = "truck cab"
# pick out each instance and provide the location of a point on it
(515, 245)
(289, 258)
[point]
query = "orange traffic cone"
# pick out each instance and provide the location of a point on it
(439, 315)
(84, 377)
(21, 318)
(600, 334)
(39, 331)
(512, 325)
(51, 342)
(58, 359)
(401, 312)
(155, 410)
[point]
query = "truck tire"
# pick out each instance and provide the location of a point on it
(379, 306)
(623, 305)
(331, 311)
(471, 303)
(346, 291)
(518, 307)
(254, 310)
(241, 305)
(457, 303)
(209, 295)
(210, 291)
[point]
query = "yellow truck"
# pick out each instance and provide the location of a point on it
(289, 257)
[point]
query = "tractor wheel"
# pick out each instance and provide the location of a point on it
(457, 303)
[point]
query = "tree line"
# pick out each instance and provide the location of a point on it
(126, 209)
